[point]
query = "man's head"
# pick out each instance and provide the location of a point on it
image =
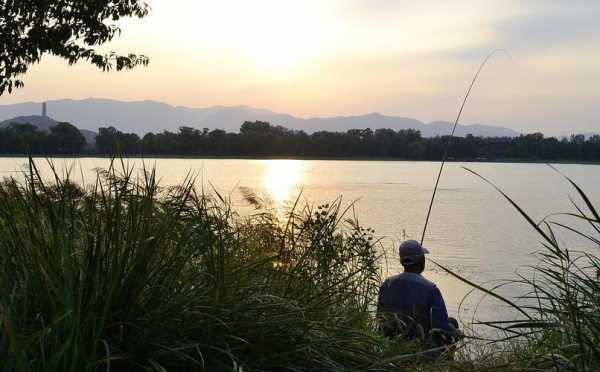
(412, 256)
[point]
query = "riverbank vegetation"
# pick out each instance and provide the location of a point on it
(126, 275)
(261, 139)
(557, 326)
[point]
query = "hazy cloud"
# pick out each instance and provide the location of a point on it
(550, 25)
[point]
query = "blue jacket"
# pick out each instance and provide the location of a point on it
(415, 301)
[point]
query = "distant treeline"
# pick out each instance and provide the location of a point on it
(62, 139)
(261, 139)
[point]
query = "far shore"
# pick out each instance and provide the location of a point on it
(214, 157)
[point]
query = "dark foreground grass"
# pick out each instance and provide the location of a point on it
(128, 276)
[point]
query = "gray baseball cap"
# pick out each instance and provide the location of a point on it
(411, 251)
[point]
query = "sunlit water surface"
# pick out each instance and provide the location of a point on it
(473, 230)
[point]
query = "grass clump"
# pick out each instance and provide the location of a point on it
(557, 326)
(126, 275)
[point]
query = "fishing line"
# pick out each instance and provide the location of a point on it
(445, 157)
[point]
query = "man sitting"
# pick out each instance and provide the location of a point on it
(411, 307)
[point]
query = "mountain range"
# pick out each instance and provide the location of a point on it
(151, 116)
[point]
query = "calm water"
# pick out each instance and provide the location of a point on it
(472, 229)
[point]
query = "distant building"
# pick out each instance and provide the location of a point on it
(44, 110)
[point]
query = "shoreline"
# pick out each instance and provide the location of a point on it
(324, 158)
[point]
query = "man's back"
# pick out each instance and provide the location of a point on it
(416, 302)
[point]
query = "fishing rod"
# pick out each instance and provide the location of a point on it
(447, 145)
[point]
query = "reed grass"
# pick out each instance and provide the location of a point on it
(558, 322)
(126, 275)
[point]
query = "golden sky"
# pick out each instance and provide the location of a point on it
(342, 57)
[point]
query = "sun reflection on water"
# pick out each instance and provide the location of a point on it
(282, 180)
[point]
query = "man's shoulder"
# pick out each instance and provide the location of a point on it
(427, 282)
(392, 279)
(409, 278)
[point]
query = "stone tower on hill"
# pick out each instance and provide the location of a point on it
(44, 110)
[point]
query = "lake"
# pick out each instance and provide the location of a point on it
(473, 230)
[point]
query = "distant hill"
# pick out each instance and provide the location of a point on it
(44, 124)
(151, 116)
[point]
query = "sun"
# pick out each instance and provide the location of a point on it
(270, 36)
(282, 42)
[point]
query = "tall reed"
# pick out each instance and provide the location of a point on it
(558, 322)
(128, 275)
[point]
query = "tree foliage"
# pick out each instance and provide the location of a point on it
(65, 138)
(62, 139)
(69, 29)
(261, 139)
(111, 141)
